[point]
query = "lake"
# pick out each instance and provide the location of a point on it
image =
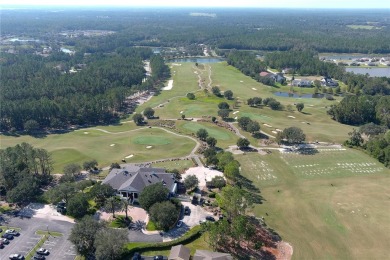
(198, 60)
(294, 95)
(373, 72)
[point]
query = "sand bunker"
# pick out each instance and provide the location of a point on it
(170, 85)
(203, 174)
(236, 117)
(274, 132)
(129, 156)
(86, 133)
(112, 144)
(267, 125)
(241, 81)
(176, 64)
(291, 116)
(279, 130)
(148, 147)
(235, 112)
(195, 72)
(254, 88)
(181, 112)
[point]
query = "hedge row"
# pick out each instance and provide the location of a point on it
(190, 236)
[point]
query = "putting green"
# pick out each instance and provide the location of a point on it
(151, 140)
(194, 127)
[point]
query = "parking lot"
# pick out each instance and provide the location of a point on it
(59, 247)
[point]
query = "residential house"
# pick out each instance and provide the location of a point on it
(179, 252)
(302, 83)
(329, 82)
(209, 255)
(278, 77)
(130, 180)
(264, 74)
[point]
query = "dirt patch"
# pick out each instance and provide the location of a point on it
(283, 250)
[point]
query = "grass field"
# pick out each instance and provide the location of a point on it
(92, 143)
(329, 205)
(179, 165)
(224, 137)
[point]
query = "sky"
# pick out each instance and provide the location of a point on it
(382, 4)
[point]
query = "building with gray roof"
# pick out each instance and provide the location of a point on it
(130, 180)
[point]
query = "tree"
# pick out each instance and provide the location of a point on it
(216, 91)
(243, 143)
(232, 170)
(138, 119)
(25, 191)
(253, 127)
(355, 138)
(31, 126)
(112, 204)
(243, 122)
(110, 243)
(223, 159)
(213, 119)
(372, 129)
(64, 192)
(183, 116)
(293, 135)
(228, 94)
(152, 194)
(72, 169)
(77, 206)
(191, 182)
(223, 105)
(164, 214)
(83, 235)
(257, 101)
(149, 112)
(100, 192)
(190, 96)
(202, 134)
(300, 106)
(223, 113)
(218, 182)
(89, 165)
(275, 105)
(211, 141)
(234, 200)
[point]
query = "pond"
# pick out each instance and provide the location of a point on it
(373, 72)
(198, 60)
(294, 95)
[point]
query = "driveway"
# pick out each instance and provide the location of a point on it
(59, 247)
(197, 214)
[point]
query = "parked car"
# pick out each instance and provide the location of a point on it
(1, 245)
(158, 257)
(179, 223)
(16, 257)
(42, 251)
(1, 230)
(8, 236)
(187, 210)
(136, 256)
(12, 232)
(4, 241)
(210, 218)
(39, 257)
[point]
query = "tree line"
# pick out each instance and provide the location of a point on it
(34, 95)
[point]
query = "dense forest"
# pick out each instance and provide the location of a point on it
(258, 29)
(23, 171)
(38, 92)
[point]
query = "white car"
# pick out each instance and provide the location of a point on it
(42, 251)
(179, 223)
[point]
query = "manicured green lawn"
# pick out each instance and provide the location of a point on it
(200, 243)
(179, 165)
(92, 143)
(224, 137)
(330, 205)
